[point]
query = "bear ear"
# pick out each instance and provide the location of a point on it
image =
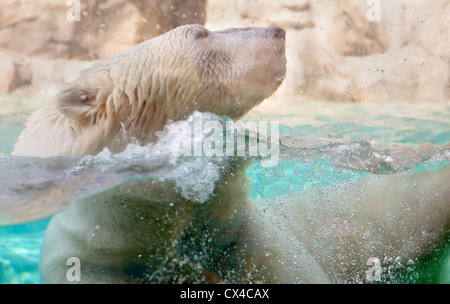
(81, 104)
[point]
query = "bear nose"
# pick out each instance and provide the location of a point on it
(277, 32)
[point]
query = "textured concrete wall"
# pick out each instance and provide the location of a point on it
(338, 50)
(354, 50)
(46, 40)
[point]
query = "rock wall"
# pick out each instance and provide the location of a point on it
(44, 43)
(338, 50)
(348, 50)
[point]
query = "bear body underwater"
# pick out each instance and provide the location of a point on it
(134, 93)
(145, 231)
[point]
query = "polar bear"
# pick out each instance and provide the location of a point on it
(134, 93)
(128, 97)
(146, 231)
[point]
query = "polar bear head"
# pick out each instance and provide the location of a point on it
(138, 90)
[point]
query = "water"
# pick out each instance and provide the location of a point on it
(308, 163)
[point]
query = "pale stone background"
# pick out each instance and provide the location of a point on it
(41, 49)
(335, 50)
(335, 53)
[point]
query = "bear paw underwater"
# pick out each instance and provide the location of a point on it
(133, 94)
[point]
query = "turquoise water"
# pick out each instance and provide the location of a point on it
(298, 170)
(19, 252)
